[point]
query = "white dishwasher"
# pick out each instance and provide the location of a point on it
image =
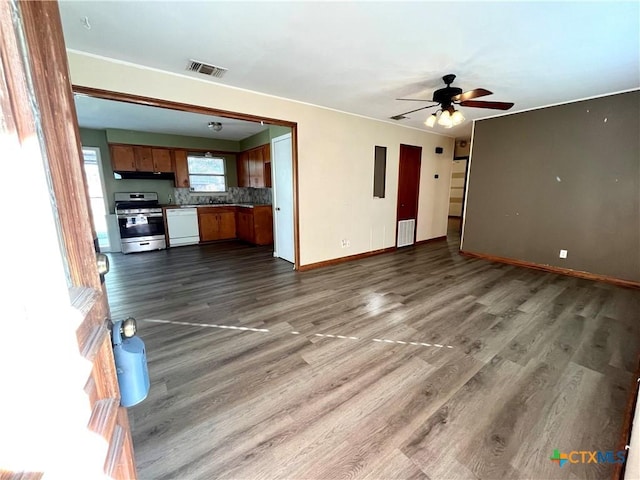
(182, 224)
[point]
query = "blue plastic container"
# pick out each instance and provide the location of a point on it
(131, 367)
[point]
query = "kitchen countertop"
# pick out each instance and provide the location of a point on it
(246, 205)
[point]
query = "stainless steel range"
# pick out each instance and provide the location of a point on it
(140, 221)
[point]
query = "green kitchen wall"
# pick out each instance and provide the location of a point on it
(133, 137)
(164, 188)
(263, 137)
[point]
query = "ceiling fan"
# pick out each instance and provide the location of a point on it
(447, 115)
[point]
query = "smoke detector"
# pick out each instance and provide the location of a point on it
(206, 69)
(215, 126)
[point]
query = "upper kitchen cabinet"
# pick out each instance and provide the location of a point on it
(137, 158)
(266, 159)
(122, 159)
(161, 160)
(144, 160)
(243, 169)
(252, 167)
(181, 168)
(256, 167)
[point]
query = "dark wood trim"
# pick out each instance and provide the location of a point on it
(48, 60)
(627, 423)
(430, 240)
(50, 108)
(296, 219)
(186, 107)
(155, 102)
(336, 261)
(455, 216)
(464, 157)
(549, 268)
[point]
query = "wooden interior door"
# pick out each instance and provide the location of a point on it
(61, 413)
(409, 182)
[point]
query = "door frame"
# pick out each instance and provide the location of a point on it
(103, 188)
(275, 194)
(415, 230)
(64, 415)
(192, 108)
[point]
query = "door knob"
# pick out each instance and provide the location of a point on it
(277, 208)
(102, 262)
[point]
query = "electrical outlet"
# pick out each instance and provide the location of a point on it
(563, 254)
(345, 243)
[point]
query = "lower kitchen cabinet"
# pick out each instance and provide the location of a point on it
(255, 225)
(216, 223)
(244, 225)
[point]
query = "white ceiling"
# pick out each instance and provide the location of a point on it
(101, 114)
(360, 56)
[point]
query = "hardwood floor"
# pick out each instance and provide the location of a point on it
(336, 379)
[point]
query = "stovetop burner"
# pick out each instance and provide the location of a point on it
(136, 200)
(139, 204)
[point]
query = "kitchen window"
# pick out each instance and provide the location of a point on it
(207, 174)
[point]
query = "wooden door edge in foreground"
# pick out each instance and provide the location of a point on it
(59, 410)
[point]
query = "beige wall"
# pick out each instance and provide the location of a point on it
(335, 158)
(462, 147)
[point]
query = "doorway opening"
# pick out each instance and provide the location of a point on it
(408, 190)
(249, 175)
(96, 189)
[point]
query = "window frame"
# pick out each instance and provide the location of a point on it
(223, 175)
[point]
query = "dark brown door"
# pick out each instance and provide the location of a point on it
(409, 182)
(62, 408)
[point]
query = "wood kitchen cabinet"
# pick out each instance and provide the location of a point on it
(242, 161)
(181, 169)
(251, 167)
(256, 168)
(216, 223)
(137, 158)
(144, 159)
(244, 224)
(162, 160)
(255, 225)
(122, 159)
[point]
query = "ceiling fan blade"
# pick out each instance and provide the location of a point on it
(414, 99)
(478, 92)
(492, 105)
(417, 110)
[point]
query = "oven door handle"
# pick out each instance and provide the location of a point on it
(150, 215)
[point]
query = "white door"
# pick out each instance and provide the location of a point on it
(282, 166)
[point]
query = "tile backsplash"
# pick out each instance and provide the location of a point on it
(257, 196)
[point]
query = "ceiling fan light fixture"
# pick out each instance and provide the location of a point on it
(431, 120)
(457, 118)
(445, 119)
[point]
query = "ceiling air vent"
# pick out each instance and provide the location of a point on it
(206, 69)
(398, 117)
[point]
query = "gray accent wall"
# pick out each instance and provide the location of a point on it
(564, 177)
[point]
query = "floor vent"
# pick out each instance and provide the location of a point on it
(206, 69)
(406, 232)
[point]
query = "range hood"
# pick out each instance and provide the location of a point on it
(144, 176)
